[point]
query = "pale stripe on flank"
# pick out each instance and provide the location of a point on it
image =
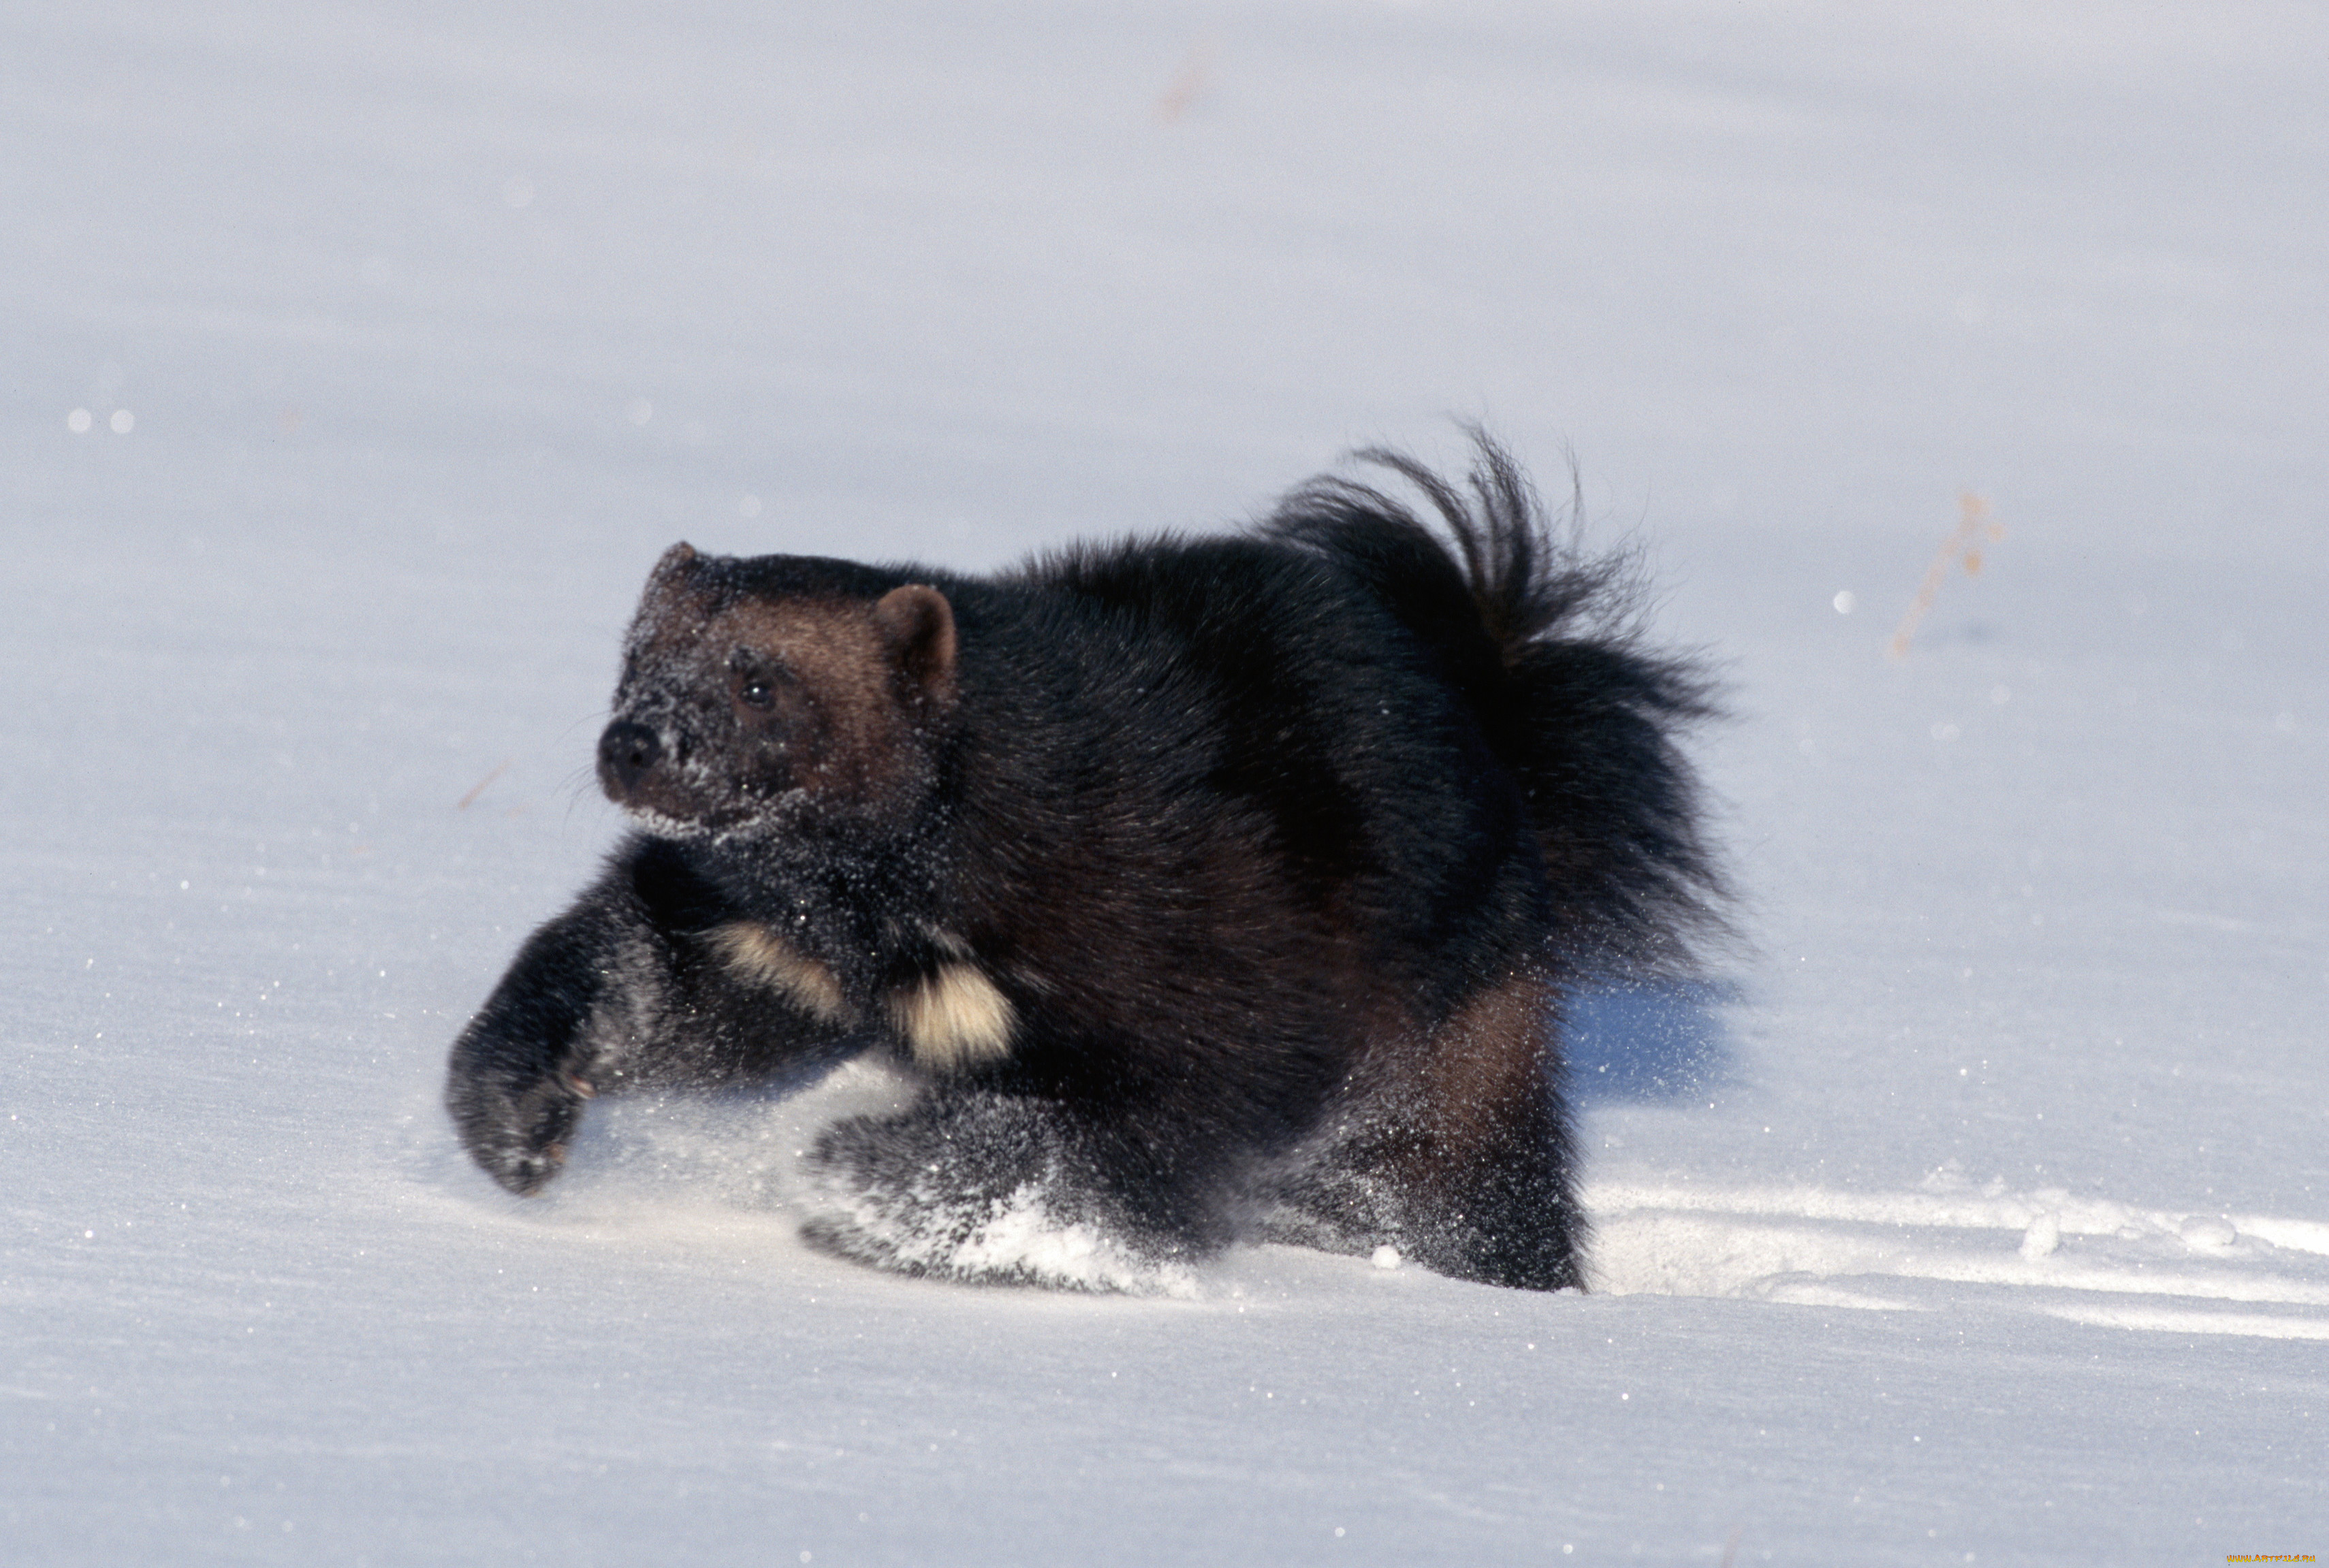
(754, 953)
(953, 1019)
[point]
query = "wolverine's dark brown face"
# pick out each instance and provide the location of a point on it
(761, 689)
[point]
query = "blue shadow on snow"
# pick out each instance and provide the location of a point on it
(1645, 1043)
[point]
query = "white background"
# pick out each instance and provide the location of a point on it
(1978, 1214)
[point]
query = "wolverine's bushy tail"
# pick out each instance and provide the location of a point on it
(1544, 642)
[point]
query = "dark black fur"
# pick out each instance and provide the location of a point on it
(1274, 851)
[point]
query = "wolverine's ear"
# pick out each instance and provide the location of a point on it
(663, 604)
(916, 626)
(670, 573)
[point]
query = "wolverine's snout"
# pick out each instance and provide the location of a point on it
(628, 752)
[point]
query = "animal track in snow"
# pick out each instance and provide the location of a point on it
(2084, 1259)
(2087, 1260)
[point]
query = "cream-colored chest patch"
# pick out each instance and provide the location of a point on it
(754, 953)
(953, 1019)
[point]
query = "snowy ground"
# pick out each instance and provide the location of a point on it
(1981, 1214)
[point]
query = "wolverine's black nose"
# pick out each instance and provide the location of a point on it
(625, 752)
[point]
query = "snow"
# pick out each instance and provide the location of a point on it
(358, 361)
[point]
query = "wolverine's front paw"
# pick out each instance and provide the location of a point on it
(518, 1134)
(982, 1187)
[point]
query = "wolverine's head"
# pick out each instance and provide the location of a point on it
(776, 688)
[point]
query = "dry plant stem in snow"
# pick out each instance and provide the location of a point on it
(1973, 525)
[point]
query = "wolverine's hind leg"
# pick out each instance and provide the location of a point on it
(1459, 1157)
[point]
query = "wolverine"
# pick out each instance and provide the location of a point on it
(1208, 887)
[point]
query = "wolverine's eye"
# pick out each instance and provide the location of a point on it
(754, 679)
